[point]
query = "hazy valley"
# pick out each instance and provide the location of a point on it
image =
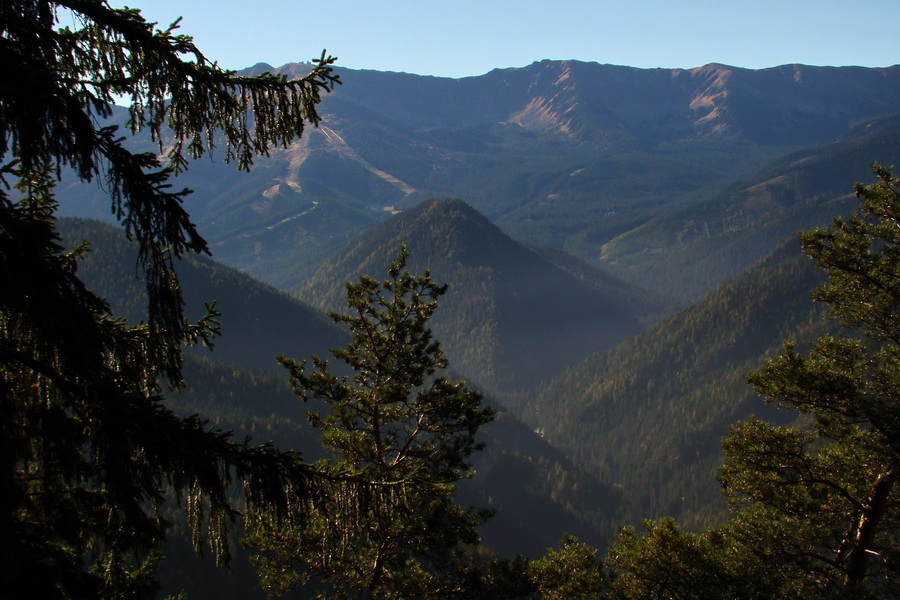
(620, 244)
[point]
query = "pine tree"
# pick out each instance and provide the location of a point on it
(818, 509)
(393, 421)
(87, 447)
(570, 572)
(833, 484)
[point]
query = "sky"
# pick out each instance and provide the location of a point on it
(471, 37)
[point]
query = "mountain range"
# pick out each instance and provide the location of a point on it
(620, 246)
(576, 156)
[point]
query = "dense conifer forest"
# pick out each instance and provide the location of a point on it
(568, 345)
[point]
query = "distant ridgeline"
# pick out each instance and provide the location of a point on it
(612, 164)
(623, 251)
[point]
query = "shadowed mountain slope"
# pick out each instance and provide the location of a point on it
(649, 414)
(537, 491)
(511, 318)
(258, 322)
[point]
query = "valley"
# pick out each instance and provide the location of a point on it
(620, 245)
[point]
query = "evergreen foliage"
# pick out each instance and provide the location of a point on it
(391, 422)
(536, 492)
(668, 563)
(88, 448)
(649, 415)
(817, 506)
(570, 572)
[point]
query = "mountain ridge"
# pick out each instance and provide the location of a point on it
(563, 154)
(713, 238)
(700, 98)
(510, 319)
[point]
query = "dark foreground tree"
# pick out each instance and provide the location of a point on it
(87, 449)
(818, 505)
(394, 420)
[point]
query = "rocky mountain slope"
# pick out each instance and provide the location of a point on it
(559, 153)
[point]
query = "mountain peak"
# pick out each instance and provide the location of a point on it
(510, 319)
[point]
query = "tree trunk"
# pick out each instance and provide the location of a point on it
(861, 552)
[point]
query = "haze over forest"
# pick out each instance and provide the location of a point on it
(621, 247)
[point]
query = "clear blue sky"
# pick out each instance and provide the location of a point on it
(470, 37)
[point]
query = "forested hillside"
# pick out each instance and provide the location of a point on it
(537, 491)
(646, 417)
(511, 319)
(683, 253)
(649, 415)
(258, 322)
